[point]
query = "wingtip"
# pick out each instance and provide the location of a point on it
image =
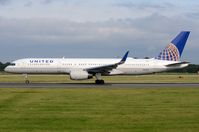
(186, 31)
(125, 57)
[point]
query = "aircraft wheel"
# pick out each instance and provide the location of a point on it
(27, 81)
(102, 81)
(99, 81)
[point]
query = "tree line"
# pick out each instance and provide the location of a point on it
(3, 65)
(192, 68)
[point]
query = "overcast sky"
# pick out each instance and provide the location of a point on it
(95, 28)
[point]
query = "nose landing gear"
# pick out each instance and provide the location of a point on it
(26, 79)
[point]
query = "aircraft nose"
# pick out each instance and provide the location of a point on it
(7, 69)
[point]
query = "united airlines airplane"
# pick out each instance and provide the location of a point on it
(82, 69)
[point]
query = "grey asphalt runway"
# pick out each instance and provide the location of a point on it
(108, 85)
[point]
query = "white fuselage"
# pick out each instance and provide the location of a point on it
(65, 66)
(82, 69)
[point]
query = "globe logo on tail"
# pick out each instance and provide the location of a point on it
(170, 53)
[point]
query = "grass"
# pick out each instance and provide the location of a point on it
(99, 110)
(156, 78)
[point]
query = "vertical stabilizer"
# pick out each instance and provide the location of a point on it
(174, 50)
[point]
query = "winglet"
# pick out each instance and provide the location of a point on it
(124, 58)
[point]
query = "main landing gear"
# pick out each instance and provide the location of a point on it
(26, 79)
(99, 79)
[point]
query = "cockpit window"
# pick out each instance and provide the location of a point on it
(12, 64)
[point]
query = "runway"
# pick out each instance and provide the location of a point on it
(108, 85)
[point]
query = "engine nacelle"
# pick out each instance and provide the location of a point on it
(80, 75)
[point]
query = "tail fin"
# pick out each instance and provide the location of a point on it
(174, 50)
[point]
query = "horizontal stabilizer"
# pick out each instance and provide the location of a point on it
(176, 64)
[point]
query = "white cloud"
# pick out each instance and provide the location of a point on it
(87, 27)
(144, 36)
(4, 2)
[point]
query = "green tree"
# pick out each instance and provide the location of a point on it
(3, 65)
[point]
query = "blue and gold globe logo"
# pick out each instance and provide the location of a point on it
(170, 53)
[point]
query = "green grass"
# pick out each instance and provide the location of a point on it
(99, 110)
(156, 78)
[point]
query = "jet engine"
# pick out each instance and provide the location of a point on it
(80, 75)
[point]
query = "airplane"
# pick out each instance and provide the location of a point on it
(87, 68)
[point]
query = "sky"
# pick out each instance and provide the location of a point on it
(95, 28)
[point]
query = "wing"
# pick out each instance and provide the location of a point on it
(107, 68)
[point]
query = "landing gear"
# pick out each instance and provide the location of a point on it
(26, 79)
(99, 79)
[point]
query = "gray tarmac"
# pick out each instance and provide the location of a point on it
(108, 85)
